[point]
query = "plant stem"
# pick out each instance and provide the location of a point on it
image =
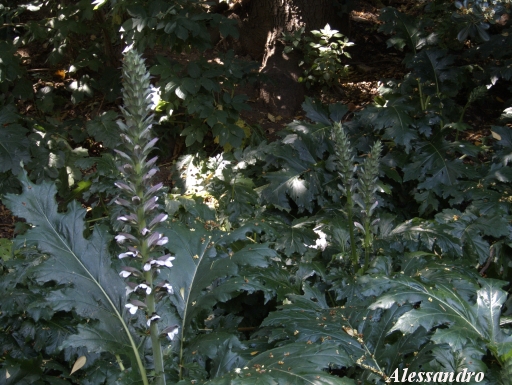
(367, 242)
(120, 362)
(350, 215)
(151, 305)
(420, 90)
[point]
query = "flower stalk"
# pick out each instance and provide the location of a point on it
(360, 191)
(138, 199)
(346, 171)
(368, 176)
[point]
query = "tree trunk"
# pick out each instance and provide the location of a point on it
(262, 25)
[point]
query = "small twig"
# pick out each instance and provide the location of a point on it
(246, 329)
(13, 25)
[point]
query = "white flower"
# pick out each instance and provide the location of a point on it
(162, 261)
(153, 238)
(238, 370)
(128, 218)
(157, 239)
(120, 238)
(167, 261)
(154, 317)
(128, 254)
(131, 308)
(159, 218)
(150, 204)
(125, 274)
(125, 187)
(154, 189)
(144, 231)
(150, 173)
(169, 288)
(173, 333)
(143, 286)
(122, 202)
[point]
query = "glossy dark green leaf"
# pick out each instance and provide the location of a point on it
(91, 288)
(442, 305)
(200, 269)
(105, 129)
(14, 146)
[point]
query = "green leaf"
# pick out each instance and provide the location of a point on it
(299, 321)
(237, 195)
(92, 289)
(202, 269)
(397, 122)
(105, 129)
(470, 228)
(180, 93)
(431, 235)
(337, 111)
(194, 70)
(432, 165)
(5, 249)
(407, 30)
(190, 85)
(442, 305)
(223, 349)
(315, 111)
(296, 363)
(434, 66)
(287, 183)
(295, 238)
(14, 146)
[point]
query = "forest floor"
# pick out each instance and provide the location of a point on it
(371, 61)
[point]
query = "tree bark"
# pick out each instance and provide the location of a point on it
(264, 21)
(262, 25)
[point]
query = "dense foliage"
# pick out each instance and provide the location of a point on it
(354, 245)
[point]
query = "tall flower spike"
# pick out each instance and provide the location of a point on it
(368, 177)
(139, 201)
(346, 171)
(367, 186)
(344, 154)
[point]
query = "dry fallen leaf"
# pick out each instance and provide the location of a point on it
(60, 74)
(495, 135)
(79, 363)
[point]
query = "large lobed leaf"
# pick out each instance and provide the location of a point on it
(204, 273)
(432, 166)
(441, 304)
(407, 30)
(91, 288)
(297, 363)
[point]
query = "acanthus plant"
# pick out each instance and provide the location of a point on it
(78, 272)
(360, 192)
(139, 199)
